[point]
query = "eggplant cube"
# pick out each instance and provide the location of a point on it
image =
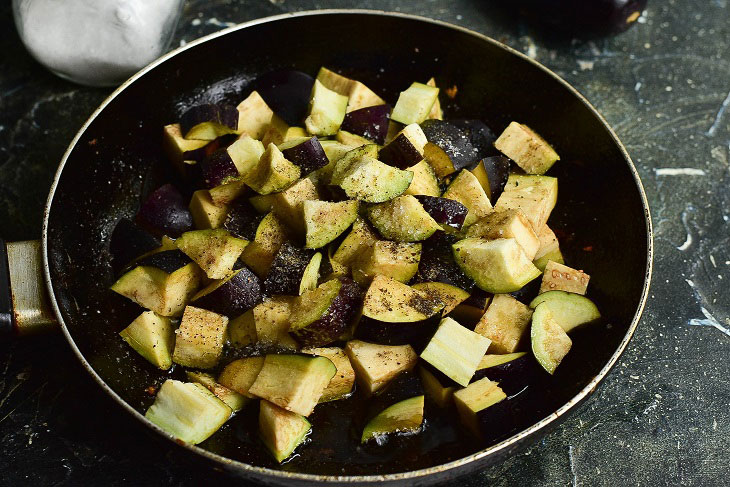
(507, 224)
(550, 343)
(473, 402)
(376, 365)
(215, 251)
(402, 219)
(466, 189)
(287, 270)
(570, 310)
(504, 323)
(270, 236)
(271, 321)
(559, 277)
(360, 238)
(286, 92)
(524, 146)
(272, 173)
(153, 337)
(281, 431)
(436, 113)
(325, 221)
(369, 122)
(359, 95)
(492, 173)
(180, 150)
(327, 110)
(415, 104)
(199, 340)
(187, 411)
(549, 248)
(225, 194)
(424, 180)
(306, 153)
(446, 212)
(373, 181)
(455, 351)
(206, 214)
(233, 400)
(254, 116)
(218, 168)
(209, 121)
(392, 259)
(448, 149)
(240, 374)
(245, 154)
(534, 195)
(293, 382)
(289, 204)
(342, 383)
(448, 294)
(232, 296)
(406, 149)
(164, 212)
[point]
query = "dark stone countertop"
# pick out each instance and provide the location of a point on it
(662, 415)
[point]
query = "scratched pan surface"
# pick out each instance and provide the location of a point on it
(116, 159)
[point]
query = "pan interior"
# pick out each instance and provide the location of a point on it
(118, 160)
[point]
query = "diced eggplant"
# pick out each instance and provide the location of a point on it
(350, 139)
(448, 149)
(281, 431)
(497, 266)
(287, 93)
(455, 351)
(129, 241)
(293, 382)
(225, 194)
(550, 343)
(437, 262)
(240, 374)
(534, 195)
(402, 417)
(349, 159)
(259, 254)
(242, 330)
(504, 323)
(397, 314)
(524, 146)
(465, 189)
(209, 121)
(376, 365)
(242, 220)
(263, 203)
(254, 116)
(439, 388)
(310, 276)
(308, 154)
(569, 310)
(187, 411)
(359, 95)
(288, 205)
(272, 173)
(323, 315)
(199, 339)
(218, 168)
(231, 296)
(271, 321)
(436, 112)
(402, 219)
(343, 382)
(373, 181)
(168, 261)
(507, 224)
(451, 296)
(549, 248)
(182, 152)
(245, 154)
(325, 221)
(481, 407)
(471, 310)
(392, 259)
(559, 277)
(205, 213)
(406, 149)
(153, 337)
(444, 211)
(492, 173)
(233, 400)
(514, 371)
(164, 212)
(405, 385)
(480, 136)
(165, 293)
(368, 122)
(360, 238)
(287, 269)
(414, 104)
(424, 180)
(327, 110)
(215, 251)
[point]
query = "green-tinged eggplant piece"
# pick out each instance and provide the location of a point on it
(376, 365)
(281, 431)
(199, 339)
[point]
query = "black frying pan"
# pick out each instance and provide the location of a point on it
(602, 216)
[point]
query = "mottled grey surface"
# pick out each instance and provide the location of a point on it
(662, 416)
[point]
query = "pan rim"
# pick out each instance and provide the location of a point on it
(514, 440)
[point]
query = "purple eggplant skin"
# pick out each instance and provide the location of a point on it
(443, 210)
(235, 296)
(369, 122)
(416, 334)
(400, 153)
(287, 93)
(480, 136)
(168, 261)
(308, 155)
(497, 169)
(513, 376)
(287, 270)
(165, 212)
(218, 168)
(336, 320)
(243, 219)
(127, 242)
(405, 385)
(226, 115)
(451, 139)
(437, 262)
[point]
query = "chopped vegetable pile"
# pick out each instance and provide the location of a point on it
(371, 250)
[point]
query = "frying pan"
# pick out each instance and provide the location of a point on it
(602, 218)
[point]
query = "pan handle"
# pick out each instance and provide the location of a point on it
(24, 304)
